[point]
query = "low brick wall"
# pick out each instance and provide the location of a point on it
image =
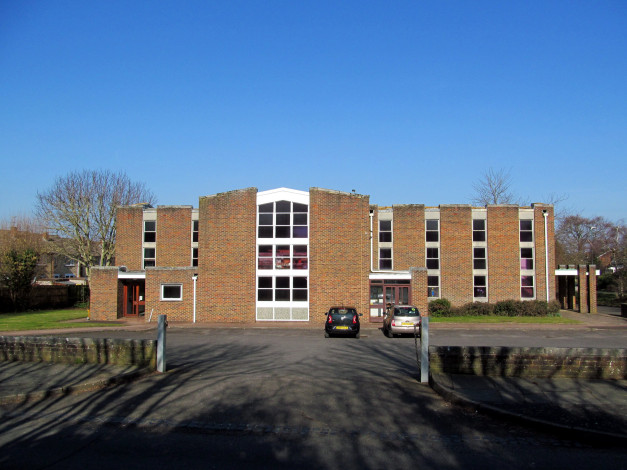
(121, 352)
(584, 363)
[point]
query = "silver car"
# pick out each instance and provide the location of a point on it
(400, 319)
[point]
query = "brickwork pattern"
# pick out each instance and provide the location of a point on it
(456, 253)
(503, 237)
(583, 363)
(409, 237)
(128, 237)
(375, 237)
(592, 289)
(419, 290)
(174, 236)
(176, 310)
(227, 257)
(582, 279)
(339, 243)
(105, 293)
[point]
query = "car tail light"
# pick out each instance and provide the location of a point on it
(393, 322)
(330, 319)
(354, 319)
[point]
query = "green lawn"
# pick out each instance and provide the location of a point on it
(47, 319)
(497, 319)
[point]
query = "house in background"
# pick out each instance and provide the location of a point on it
(285, 255)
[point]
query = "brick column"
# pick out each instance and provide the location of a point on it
(128, 237)
(104, 293)
(592, 288)
(583, 288)
(456, 281)
(409, 236)
(419, 290)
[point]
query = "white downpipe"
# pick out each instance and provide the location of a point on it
(546, 254)
(194, 278)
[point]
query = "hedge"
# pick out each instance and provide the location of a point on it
(507, 308)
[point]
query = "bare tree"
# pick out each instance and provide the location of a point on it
(493, 188)
(80, 208)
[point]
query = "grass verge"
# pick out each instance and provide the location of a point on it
(47, 319)
(498, 319)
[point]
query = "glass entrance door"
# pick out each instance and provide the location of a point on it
(134, 299)
(396, 295)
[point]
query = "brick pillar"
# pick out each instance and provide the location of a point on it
(592, 288)
(419, 290)
(583, 288)
(128, 237)
(104, 293)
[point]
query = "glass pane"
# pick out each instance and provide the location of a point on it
(282, 219)
(376, 294)
(479, 280)
(479, 252)
(478, 236)
(385, 225)
(283, 250)
(479, 292)
(404, 295)
(171, 292)
(284, 206)
(266, 232)
(434, 292)
(433, 263)
(300, 219)
(432, 236)
(264, 295)
(385, 236)
(283, 232)
(526, 252)
(526, 292)
(526, 236)
(264, 282)
(264, 263)
(300, 250)
(149, 252)
(266, 219)
(526, 280)
(299, 283)
(478, 224)
(385, 253)
(282, 263)
(432, 224)
(282, 294)
(385, 264)
(300, 263)
(150, 226)
(433, 280)
(432, 252)
(299, 295)
(149, 263)
(300, 232)
(265, 250)
(479, 264)
(269, 207)
(526, 263)
(300, 207)
(526, 225)
(282, 282)
(150, 237)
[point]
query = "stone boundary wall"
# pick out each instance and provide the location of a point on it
(580, 363)
(119, 352)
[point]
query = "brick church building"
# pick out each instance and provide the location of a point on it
(287, 256)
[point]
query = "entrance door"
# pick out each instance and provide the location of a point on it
(396, 295)
(134, 299)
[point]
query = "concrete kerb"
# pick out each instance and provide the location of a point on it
(567, 431)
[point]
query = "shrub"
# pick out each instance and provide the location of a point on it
(476, 309)
(506, 308)
(440, 308)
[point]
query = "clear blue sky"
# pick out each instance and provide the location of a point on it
(407, 101)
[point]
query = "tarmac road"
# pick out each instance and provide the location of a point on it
(276, 398)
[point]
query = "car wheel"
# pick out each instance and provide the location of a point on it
(326, 335)
(357, 335)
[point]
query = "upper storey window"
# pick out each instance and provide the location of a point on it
(150, 231)
(283, 219)
(478, 230)
(526, 230)
(432, 230)
(385, 231)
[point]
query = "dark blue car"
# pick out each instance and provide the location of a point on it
(342, 321)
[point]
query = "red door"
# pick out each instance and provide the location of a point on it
(134, 299)
(396, 295)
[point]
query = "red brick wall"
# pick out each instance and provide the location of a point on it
(419, 290)
(582, 281)
(227, 257)
(104, 293)
(592, 288)
(503, 253)
(456, 253)
(409, 237)
(128, 238)
(540, 251)
(175, 310)
(375, 237)
(339, 241)
(174, 236)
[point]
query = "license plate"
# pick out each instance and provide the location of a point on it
(408, 323)
(341, 327)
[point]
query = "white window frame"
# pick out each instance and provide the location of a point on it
(171, 299)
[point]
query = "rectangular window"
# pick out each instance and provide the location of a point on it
(526, 287)
(385, 231)
(171, 292)
(432, 230)
(478, 230)
(299, 289)
(480, 286)
(264, 258)
(433, 286)
(264, 289)
(150, 231)
(299, 257)
(282, 289)
(526, 258)
(479, 259)
(526, 230)
(194, 256)
(433, 258)
(194, 231)
(282, 260)
(385, 258)
(149, 257)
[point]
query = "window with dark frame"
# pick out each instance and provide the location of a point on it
(149, 257)
(171, 292)
(432, 232)
(526, 230)
(478, 230)
(194, 256)
(433, 286)
(385, 258)
(194, 231)
(479, 258)
(526, 258)
(433, 258)
(385, 231)
(479, 286)
(526, 287)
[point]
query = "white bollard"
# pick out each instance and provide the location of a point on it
(161, 326)
(424, 350)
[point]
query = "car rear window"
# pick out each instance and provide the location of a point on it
(343, 311)
(406, 312)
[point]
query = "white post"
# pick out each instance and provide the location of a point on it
(195, 278)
